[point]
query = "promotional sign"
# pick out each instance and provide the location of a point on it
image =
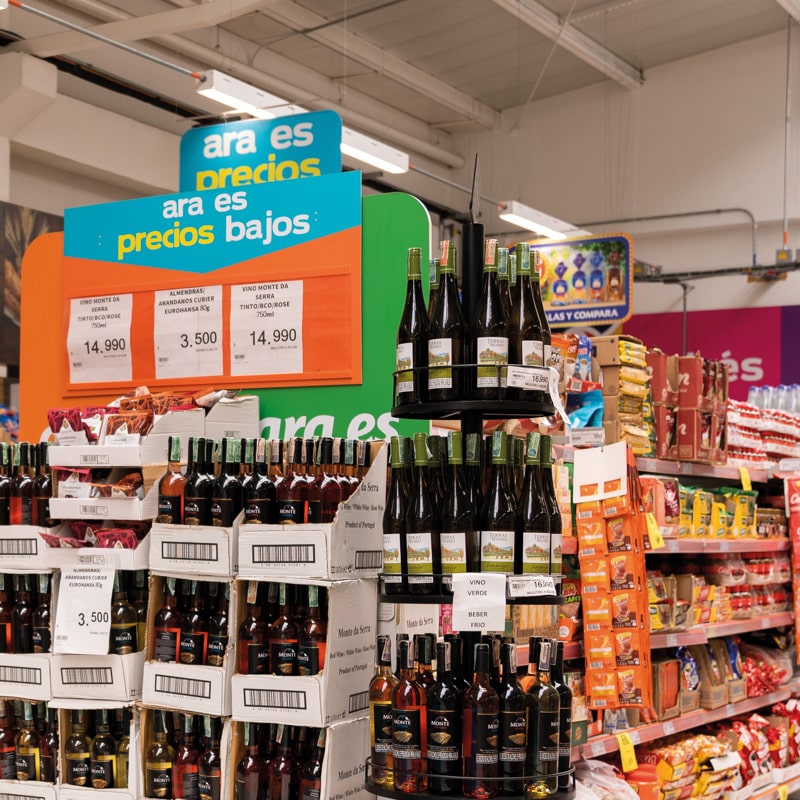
(244, 287)
(83, 619)
(249, 152)
(586, 281)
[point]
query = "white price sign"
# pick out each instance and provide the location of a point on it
(531, 586)
(188, 332)
(99, 339)
(266, 330)
(83, 612)
(479, 601)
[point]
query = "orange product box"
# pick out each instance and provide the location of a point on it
(695, 432)
(665, 376)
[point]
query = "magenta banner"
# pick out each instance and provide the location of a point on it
(760, 345)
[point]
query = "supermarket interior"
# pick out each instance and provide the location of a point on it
(399, 398)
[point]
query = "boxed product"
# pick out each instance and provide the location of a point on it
(695, 434)
(108, 677)
(664, 376)
(619, 349)
(666, 688)
(714, 686)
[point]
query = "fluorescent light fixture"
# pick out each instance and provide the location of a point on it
(371, 151)
(577, 233)
(533, 220)
(243, 96)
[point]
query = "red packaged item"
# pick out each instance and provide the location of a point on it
(117, 538)
(64, 419)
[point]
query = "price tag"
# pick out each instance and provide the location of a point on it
(783, 791)
(744, 474)
(266, 328)
(669, 728)
(99, 339)
(187, 332)
(479, 601)
(83, 618)
(672, 640)
(528, 378)
(598, 749)
(531, 586)
(654, 532)
(627, 752)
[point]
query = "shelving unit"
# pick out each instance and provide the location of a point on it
(690, 544)
(690, 469)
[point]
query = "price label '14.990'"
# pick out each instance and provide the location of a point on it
(266, 330)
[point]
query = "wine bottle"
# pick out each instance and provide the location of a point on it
(77, 752)
(40, 636)
(412, 337)
(493, 640)
(313, 637)
(123, 634)
(5, 484)
(123, 749)
(167, 625)
(140, 597)
(534, 649)
(218, 625)
(446, 333)
(394, 521)
(282, 782)
(283, 638)
(498, 548)
(6, 616)
(259, 494)
(194, 630)
(490, 332)
(457, 662)
(22, 616)
(423, 656)
(8, 751)
(502, 279)
(185, 768)
(423, 555)
(103, 764)
(472, 472)
(310, 787)
(48, 745)
(458, 519)
(481, 731)
(433, 283)
(325, 493)
(409, 725)
(197, 488)
(533, 517)
(536, 292)
(226, 491)
(159, 759)
(247, 467)
(253, 640)
(209, 765)
(513, 276)
(276, 461)
(251, 769)
(381, 688)
(27, 747)
(513, 727)
(435, 479)
(544, 707)
(549, 492)
(292, 492)
(43, 489)
(171, 486)
(444, 726)
(565, 714)
(21, 498)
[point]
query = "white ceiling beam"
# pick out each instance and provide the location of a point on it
(338, 39)
(541, 19)
(791, 7)
(213, 12)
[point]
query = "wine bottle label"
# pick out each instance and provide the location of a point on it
(158, 780)
(189, 783)
(382, 725)
(546, 755)
(512, 736)
(497, 551)
(208, 786)
(535, 552)
(216, 650)
(8, 763)
(454, 552)
(283, 658)
(256, 511)
(21, 510)
(41, 640)
(169, 509)
(28, 766)
(122, 770)
(103, 772)
(404, 361)
(419, 556)
(406, 734)
(444, 742)
(315, 511)
(440, 355)
(47, 765)
(5, 637)
(550, 357)
(222, 512)
(565, 734)
(485, 741)
(292, 512)
(257, 658)
(392, 563)
(124, 638)
(308, 659)
(193, 648)
(196, 511)
(491, 350)
(311, 791)
(555, 553)
(166, 644)
(533, 353)
(78, 769)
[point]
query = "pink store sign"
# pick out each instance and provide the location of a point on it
(760, 345)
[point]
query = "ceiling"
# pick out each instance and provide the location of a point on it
(412, 72)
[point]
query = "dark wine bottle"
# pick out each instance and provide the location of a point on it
(536, 292)
(22, 616)
(503, 280)
(251, 770)
(325, 492)
(43, 489)
(6, 615)
(259, 494)
(41, 637)
(283, 638)
(218, 625)
(310, 787)
(412, 337)
(282, 773)
(444, 726)
(472, 471)
(187, 755)
(394, 521)
(481, 731)
(565, 714)
(490, 332)
(253, 641)
(409, 726)
(5, 484)
(171, 486)
(446, 333)
(103, 762)
(533, 517)
(544, 706)
(291, 494)
(194, 630)
(209, 765)
(433, 284)
(313, 637)
(549, 492)
(513, 729)
(167, 625)
(458, 519)
(423, 658)
(422, 528)
(226, 491)
(498, 548)
(21, 503)
(197, 489)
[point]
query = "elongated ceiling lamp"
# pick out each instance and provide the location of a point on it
(245, 97)
(532, 220)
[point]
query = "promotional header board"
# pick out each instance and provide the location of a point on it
(251, 152)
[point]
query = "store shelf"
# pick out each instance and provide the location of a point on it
(678, 638)
(691, 544)
(688, 468)
(759, 623)
(488, 409)
(602, 745)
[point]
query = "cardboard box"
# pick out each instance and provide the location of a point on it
(194, 689)
(664, 377)
(737, 690)
(337, 693)
(236, 417)
(690, 390)
(111, 508)
(25, 676)
(28, 790)
(351, 546)
(695, 434)
(712, 694)
(615, 405)
(109, 677)
(608, 352)
(107, 557)
(195, 550)
(22, 549)
(666, 688)
(666, 424)
(719, 439)
(152, 449)
(689, 701)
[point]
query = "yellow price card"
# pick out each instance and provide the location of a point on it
(627, 752)
(783, 792)
(654, 532)
(744, 474)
